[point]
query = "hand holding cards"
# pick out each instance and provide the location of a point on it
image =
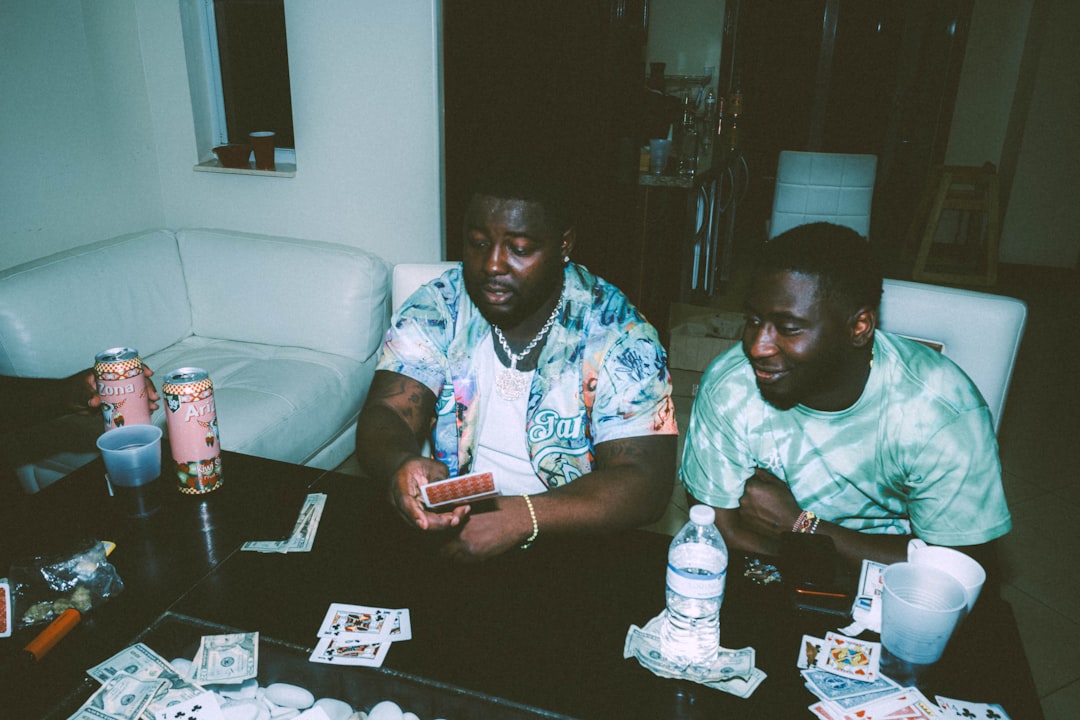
(459, 490)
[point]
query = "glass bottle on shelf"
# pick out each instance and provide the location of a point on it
(687, 140)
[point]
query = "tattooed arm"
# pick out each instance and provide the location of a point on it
(396, 418)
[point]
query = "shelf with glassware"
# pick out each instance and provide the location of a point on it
(686, 232)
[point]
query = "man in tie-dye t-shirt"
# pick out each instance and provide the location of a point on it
(823, 423)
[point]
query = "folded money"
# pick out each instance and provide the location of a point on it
(303, 534)
(732, 671)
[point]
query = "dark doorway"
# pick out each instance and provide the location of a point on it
(553, 76)
(851, 76)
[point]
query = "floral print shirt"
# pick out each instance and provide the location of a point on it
(602, 373)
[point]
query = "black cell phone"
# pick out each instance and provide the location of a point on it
(808, 559)
(808, 564)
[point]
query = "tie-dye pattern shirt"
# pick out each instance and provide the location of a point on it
(602, 373)
(916, 453)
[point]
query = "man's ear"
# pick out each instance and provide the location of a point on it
(569, 237)
(862, 324)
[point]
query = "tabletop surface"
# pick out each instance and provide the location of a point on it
(543, 628)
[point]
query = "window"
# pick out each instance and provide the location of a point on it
(248, 72)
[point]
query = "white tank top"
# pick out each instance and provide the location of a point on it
(500, 443)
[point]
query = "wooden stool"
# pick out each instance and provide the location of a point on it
(974, 192)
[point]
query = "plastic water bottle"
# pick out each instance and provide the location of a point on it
(696, 571)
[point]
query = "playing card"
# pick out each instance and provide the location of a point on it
(907, 704)
(5, 608)
(458, 490)
(204, 706)
(870, 579)
(811, 653)
(965, 709)
(830, 686)
(345, 650)
(851, 658)
(360, 620)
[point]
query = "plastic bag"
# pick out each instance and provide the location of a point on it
(43, 587)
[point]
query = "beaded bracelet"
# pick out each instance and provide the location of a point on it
(807, 522)
(536, 526)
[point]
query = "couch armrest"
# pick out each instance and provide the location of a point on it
(285, 291)
(57, 312)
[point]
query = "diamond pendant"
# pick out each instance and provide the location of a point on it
(511, 384)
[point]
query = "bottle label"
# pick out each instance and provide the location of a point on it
(696, 571)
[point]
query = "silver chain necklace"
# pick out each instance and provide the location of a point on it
(511, 383)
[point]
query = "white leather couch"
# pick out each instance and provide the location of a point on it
(288, 329)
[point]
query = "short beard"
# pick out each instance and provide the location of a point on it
(777, 400)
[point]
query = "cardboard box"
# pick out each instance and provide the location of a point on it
(699, 338)
(684, 383)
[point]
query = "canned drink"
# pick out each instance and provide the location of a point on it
(122, 387)
(193, 429)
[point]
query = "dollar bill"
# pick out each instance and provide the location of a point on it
(302, 537)
(123, 696)
(143, 663)
(732, 671)
(228, 659)
(137, 660)
(266, 546)
(87, 713)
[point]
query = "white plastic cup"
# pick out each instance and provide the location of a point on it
(967, 571)
(659, 152)
(132, 454)
(921, 606)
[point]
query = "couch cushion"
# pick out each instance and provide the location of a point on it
(283, 403)
(259, 278)
(58, 312)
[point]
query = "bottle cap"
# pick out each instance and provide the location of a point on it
(702, 515)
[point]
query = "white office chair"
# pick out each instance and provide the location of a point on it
(980, 332)
(823, 187)
(407, 277)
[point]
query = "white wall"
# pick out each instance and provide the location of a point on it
(77, 139)
(686, 35)
(112, 150)
(1042, 215)
(988, 78)
(1042, 224)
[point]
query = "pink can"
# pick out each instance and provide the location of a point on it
(122, 387)
(193, 429)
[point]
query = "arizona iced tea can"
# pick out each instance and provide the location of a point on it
(122, 387)
(193, 429)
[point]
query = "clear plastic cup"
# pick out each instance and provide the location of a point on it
(132, 454)
(921, 606)
(659, 152)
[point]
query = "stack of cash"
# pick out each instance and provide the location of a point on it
(139, 683)
(136, 682)
(303, 534)
(732, 672)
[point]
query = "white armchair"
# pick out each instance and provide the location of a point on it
(980, 332)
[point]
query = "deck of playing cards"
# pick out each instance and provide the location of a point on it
(359, 634)
(459, 490)
(844, 674)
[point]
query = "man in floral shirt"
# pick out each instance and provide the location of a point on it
(527, 366)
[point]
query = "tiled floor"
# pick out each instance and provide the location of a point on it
(1040, 451)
